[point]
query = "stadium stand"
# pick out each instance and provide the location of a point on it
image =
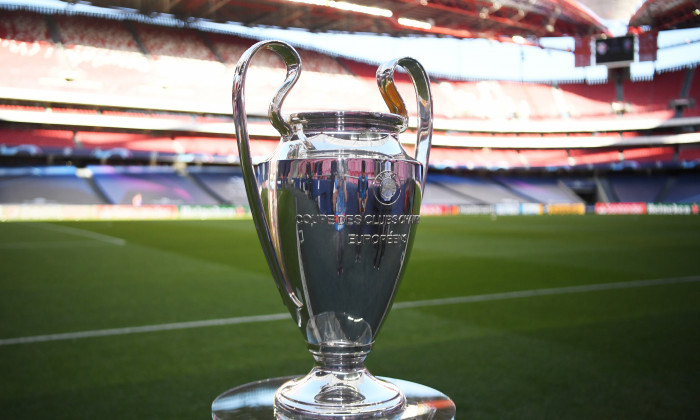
(435, 193)
(224, 184)
(530, 100)
(684, 188)
(24, 27)
(477, 189)
(689, 155)
(147, 185)
(649, 155)
(637, 187)
(207, 145)
(230, 49)
(173, 42)
(26, 42)
(25, 145)
(594, 157)
(545, 158)
(693, 93)
(654, 97)
(111, 46)
(50, 185)
(128, 141)
(118, 78)
(197, 54)
(589, 100)
(541, 190)
(110, 35)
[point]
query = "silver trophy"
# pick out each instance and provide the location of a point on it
(336, 209)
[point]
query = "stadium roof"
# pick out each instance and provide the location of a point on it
(491, 19)
(667, 14)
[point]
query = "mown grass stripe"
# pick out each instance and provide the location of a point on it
(81, 232)
(399, 305)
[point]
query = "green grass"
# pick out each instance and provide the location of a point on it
(626, 353)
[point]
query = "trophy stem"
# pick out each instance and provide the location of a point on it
(340, 358)
(339, 385)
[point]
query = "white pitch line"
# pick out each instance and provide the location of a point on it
(545, 292)
(398, 305)
(144, 329)
(49, 245)
(81, 232)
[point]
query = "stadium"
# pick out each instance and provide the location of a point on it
(555, 270)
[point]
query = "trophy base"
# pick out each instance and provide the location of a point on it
(327, 393)
(256, 401)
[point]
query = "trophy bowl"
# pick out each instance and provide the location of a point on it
(336, 208)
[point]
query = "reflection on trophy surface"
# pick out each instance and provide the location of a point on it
(336, 208)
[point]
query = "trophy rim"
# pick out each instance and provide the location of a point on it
(345, 121)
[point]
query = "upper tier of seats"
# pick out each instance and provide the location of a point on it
(23, 27)
(96, 33)
(188, 68)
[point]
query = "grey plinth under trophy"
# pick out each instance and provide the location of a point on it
(336, 208)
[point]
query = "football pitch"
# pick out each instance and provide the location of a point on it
(551, 317)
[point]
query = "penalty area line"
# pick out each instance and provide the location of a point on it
(399, 305)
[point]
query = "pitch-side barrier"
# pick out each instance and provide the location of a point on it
(67, 212)
(48, 212)
(525, 209)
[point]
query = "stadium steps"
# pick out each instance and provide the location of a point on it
(213, 194)
(569, 191)
(134, 33)
(54, 31)
(459, 193)
(540, 189)
(205, 39)
(98, 191)
(668, 186)
(584, 188)
(685, 100)
(473, 190)
(605, 192)
(637, 187)
(525, 198)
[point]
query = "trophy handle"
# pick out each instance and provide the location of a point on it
(293, 62)
(421, 82)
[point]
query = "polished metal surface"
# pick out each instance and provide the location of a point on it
(293, 63)
(255, 401)
(336, 208)
(421, 83)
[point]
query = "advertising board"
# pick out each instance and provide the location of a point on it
(672, 208)
(31, 212)
(566, 208)
(620, 208)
